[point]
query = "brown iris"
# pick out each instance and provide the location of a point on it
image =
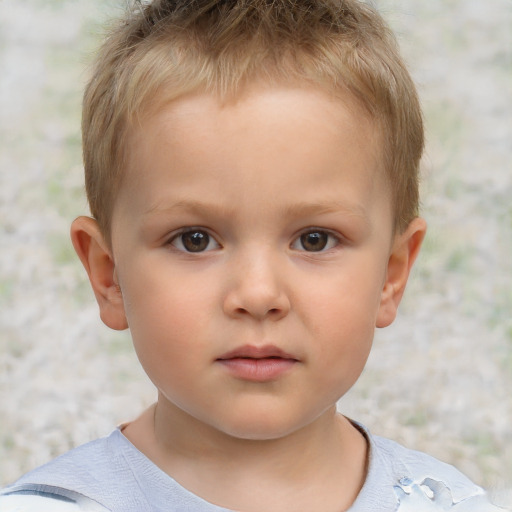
(314, 241)
(195, 241)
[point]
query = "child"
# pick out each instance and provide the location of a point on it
(252, 169)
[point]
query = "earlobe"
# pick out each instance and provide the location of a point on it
(97, 260)
(404, 252)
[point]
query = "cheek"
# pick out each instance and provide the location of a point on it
(344, 340)
(167, 318)
(341, 315)
(163, 294)
(345, 303)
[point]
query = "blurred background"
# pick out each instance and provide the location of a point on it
(439, 379)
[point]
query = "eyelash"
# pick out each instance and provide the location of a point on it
(322, 235)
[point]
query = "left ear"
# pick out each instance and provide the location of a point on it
(406, 247)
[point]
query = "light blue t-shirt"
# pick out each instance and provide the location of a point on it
(110, 474)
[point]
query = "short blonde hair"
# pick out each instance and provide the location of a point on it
(168, 48)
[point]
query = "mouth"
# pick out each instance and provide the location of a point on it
(257, 364)
(253, 352)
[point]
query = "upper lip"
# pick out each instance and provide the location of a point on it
(255, 352)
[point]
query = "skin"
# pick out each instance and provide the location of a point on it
(286, 188)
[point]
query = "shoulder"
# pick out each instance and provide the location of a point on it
(82, 464)
(404, 480)
(109, 471)
(417, 466)
(77, 480)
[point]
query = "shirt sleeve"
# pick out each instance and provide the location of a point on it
(45, 498)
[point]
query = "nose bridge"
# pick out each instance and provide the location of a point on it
(257, 284)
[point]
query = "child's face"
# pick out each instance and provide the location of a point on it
(252, 245)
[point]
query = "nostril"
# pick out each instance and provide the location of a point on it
(256, 301)
(272, 311)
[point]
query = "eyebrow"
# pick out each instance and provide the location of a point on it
(302, 209)
(189, 206)
(318, 208)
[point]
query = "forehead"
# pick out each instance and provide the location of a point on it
(199, 111)
(261, 135)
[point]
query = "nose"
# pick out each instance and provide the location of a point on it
(256, 289)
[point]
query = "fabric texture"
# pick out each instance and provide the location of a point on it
(111, 474)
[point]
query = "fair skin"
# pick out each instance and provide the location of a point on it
(252, 257)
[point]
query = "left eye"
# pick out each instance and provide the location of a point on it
(315, 241)
(194, 240)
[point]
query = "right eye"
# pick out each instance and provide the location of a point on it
(194, 240)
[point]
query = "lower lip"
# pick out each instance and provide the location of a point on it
(258, 370)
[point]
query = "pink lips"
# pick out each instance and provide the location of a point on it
(258, 364)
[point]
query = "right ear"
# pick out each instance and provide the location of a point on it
(97, 260)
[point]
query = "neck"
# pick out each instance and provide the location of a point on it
(328, 453)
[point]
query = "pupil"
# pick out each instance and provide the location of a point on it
(195, 241)
(314, 241)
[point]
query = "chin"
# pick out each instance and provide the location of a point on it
(263, 427)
